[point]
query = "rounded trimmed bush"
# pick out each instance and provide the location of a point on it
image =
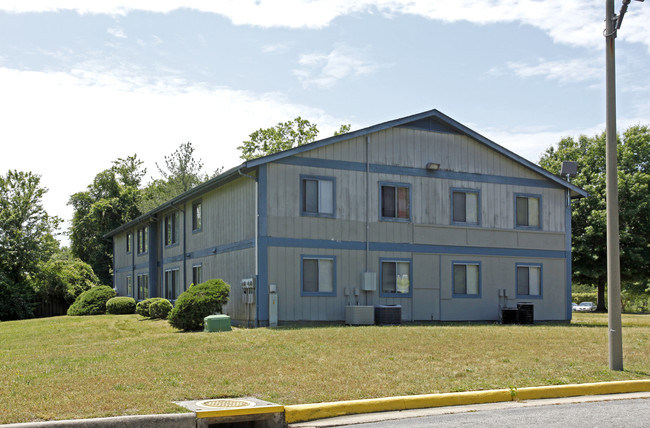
(142, 308)
(120, 306)
(92, 302)
(197, 303)
(160, 309)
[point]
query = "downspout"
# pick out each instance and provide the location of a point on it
(184, 247)
(257, 259)
(257, 214)
(367, 210)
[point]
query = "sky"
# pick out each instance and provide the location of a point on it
(85, 83)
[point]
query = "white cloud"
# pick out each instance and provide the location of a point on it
(574, 70)
(324, 70)
(530, 143)
(276, 48)
(117, 32)
(69, 127)
(575, 22)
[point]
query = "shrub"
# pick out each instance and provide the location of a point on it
(92, 302)
(120, 306)
(142, 308)
(160, 309)
(197, 303)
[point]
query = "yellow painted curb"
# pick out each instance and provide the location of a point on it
(239, 412)
(308, 412)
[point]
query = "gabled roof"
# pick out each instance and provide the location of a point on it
(431, 120)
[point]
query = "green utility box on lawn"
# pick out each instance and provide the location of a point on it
(216, 323)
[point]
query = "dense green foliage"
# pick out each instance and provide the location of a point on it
(122, 305)
(110, 201)
(198, 302)
(282, 136)
(160, 309)
(26, 241)
(92, 302)
(181, 173)
(589, 214)
(142, 308)
(62, 279)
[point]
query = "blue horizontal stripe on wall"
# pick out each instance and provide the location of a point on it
(129, 268)
(221, 249)
(411, 248)
(417, 172)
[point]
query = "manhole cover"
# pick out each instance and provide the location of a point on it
(227, 403)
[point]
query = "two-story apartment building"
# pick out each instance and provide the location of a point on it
(420, 212)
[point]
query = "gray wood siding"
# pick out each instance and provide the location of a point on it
(232, 267)
(285, 270)
(228, 215)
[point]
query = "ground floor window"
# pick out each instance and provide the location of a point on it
(143, 286)
(172, 283)
(395, 278)
(129, 286)
(466, 279)
(197, 274)
(529, 280)
(318, 276)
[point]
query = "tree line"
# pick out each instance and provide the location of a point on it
(33, 269)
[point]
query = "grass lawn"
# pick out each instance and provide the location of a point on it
(79, 367)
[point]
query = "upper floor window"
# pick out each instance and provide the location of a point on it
(529, 280)
(395, 201)
(143, 239)
(527, 209)
(197, 213)
(317, 196)
(395, 278)
(465, 206)
(318, 276)
(129, 241)
(466, 279)
(171, 229)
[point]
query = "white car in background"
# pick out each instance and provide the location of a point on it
(585, 307)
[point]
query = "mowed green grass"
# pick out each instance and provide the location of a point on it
(82, 367)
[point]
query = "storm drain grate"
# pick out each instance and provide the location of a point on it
(225, 403)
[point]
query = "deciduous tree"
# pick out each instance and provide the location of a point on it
(589, 214)
(26, 240)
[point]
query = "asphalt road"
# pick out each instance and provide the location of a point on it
(573, 412)
(620, 413)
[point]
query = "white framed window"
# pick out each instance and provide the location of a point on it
(465, 206)
(395, 277)
(143, 239)
(129, 286)
(466, 279)
(171, 229)
(172, 283)
(318, 276)
(395, 201)
(317, 196)
(529, 280)
(528, 211)
(197, 214)
(197, 274)
(143, 286)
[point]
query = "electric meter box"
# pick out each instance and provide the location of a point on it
(369, 281)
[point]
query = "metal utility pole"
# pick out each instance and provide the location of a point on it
(613, 23)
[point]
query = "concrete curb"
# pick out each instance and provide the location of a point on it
(308, 412)
(178, 420)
